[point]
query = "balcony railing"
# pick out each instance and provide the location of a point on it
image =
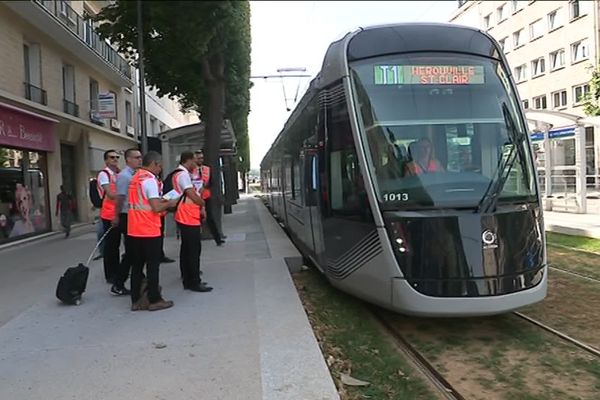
(84, 30)
(71, 108)
(35, 93)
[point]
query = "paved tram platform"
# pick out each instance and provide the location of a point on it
(247, 339)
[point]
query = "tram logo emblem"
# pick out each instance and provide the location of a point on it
(489, 239)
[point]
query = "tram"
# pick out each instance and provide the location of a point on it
(406, 175)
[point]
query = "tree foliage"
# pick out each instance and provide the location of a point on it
(196, 52)
(591, 104)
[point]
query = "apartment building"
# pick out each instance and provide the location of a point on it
(552, 49)
(66, 96)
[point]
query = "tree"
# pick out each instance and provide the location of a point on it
(198, 52)
(591, 105)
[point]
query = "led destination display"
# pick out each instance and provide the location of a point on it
(428, 74)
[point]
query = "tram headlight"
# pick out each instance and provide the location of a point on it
(398, 237)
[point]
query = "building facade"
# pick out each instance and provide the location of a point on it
(552, 48)
(66, 96)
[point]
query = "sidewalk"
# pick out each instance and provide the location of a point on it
(248, 339)
(573, 224)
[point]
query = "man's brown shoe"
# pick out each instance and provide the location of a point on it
(139, 306)
(160, 305)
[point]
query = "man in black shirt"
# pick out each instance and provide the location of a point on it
(64, 204)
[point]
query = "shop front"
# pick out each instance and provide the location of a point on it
(26, 138)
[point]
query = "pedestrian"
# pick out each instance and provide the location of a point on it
(143, 229)
(107, 188)
(202, 173)
(187, 216)
(64, 205)
(163, 256)
(133, 161)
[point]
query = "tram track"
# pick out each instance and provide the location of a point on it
(577, 274)
(562, 246)
(589, 349)
(418, 360)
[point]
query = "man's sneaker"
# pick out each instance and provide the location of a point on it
(160, 305)
(119, 290)
(167, 260)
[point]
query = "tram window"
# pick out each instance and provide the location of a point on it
(296, 184)
(347, 194)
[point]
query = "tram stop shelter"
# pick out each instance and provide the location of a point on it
(192, 138)
(567, 161)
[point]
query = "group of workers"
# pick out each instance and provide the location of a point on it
(134, 207)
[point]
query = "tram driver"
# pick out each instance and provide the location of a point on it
(422, 161)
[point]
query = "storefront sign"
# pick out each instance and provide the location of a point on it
(107, 105)
(26, 130)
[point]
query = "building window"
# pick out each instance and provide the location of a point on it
(518, 39)
(559, 99)
(501, 12)
(116, 104)
(579, 51)
(557, 59)
(521, 73)
(539, 103)
(516, 5)
(33, 73)
(70, 107)
(504, 44)
(525, 104)
(536, 29)
(128, 113)
(579, 92)
(555, 20)
(94, 92)
(538, 67)
(575, 9)
(487, 20)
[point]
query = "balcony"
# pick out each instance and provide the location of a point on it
(59, 21)
(71, 108)
(36, 94)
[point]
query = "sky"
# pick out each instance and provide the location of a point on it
(296, 34)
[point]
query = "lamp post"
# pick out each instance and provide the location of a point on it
(141, 79)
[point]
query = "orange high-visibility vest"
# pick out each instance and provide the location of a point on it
(141, 220)
(205, 178)
(188, 212)
(109, 206)
(414, 168)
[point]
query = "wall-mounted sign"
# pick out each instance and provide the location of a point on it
(107, 105)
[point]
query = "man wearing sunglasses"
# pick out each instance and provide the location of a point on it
(133, 161)
(107, 189)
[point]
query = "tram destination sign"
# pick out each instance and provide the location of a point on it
(428, 74)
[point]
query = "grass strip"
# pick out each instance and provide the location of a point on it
(354, 344)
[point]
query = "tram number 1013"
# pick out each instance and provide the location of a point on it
(395, 196)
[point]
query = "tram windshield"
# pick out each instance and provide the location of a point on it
(443, 130)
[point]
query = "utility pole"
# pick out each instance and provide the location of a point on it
(141, 80)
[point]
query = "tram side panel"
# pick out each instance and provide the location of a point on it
(354, 251)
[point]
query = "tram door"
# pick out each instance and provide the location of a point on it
(311, 179)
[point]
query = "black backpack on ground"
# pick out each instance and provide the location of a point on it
(72, 284)
(95, 197)
(74, 281)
